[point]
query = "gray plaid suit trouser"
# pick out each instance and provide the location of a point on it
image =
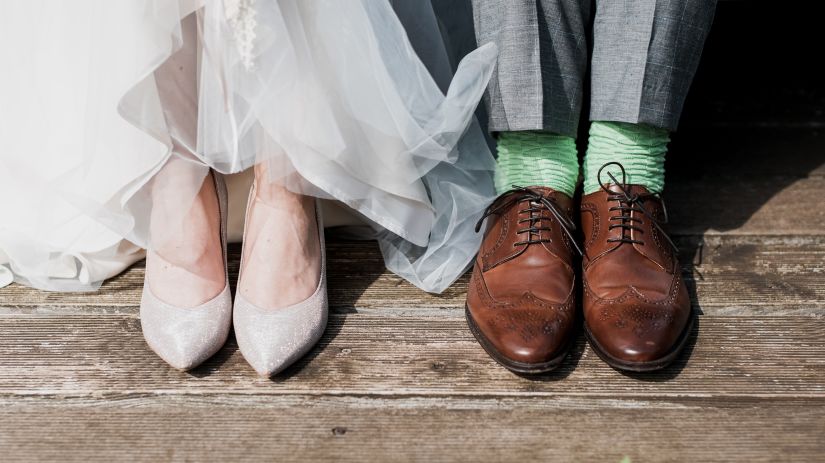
(645, 54)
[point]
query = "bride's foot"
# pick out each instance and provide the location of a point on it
(186, 308)
(187, 267)
(281, 252)
(281, 304)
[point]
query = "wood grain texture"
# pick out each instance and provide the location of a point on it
(238, 428)
(724, 205)
(728, 275)
(397, 352)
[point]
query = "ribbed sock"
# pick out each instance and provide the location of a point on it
(639, 148)
(533, 158)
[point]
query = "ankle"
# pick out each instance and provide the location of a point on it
(280, 227)
(537, 159)
(273, 194)
(640, 149)
(186, 266)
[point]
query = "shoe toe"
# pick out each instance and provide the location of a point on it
(637, 333)
(632, 349)
(536, 352)
(273, 339)
(185, 337)
(527, 336)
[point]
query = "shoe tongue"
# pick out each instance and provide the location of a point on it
(558, 197)
(629, 189)
(544, 190)
(561, 199)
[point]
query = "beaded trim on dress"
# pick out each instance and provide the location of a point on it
(240, 14)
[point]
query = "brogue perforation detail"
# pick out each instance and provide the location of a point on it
(505, 229)
(665, 251)
(631, 293)
(594, 233)
(481, 291)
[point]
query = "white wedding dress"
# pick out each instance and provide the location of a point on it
(113, 110)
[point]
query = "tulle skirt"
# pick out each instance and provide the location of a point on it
(116, 112)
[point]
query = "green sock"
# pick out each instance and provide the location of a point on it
(537, 159)
(639, 148)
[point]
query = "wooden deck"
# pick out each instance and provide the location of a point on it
(398, 376)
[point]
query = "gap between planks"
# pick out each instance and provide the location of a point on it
(363, 354)
(726, 275)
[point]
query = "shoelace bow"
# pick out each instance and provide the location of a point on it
(629, 203)
(536, 204)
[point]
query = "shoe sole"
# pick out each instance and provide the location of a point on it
(513, 365)
(640, 367)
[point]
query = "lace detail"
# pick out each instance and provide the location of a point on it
(537, 204)
(240, 14)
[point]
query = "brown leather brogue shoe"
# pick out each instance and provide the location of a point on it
(637, 310)
(521, 304)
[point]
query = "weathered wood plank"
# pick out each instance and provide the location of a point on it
(732, 275)
(727, 205)
(368, 429)
(396, 352)
(747, 182)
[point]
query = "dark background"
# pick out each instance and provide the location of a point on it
(762, 67)
(754, 120)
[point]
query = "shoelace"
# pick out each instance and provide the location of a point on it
(536, 204)
(629, 203)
